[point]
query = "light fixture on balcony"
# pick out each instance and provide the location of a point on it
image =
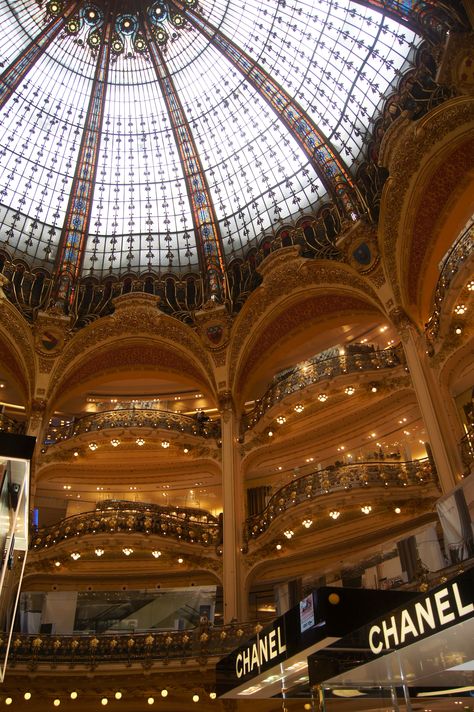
(156, 553)
(334, 514)
(397, 510)
(115, 442)
(127, 551)
(460, 309)
(118, 695)
(165, 444)
(278, 547)
(323, 397)
(140, 441)
(57, 563)
(164, 692)
(299, 408)
(270, 433)
(288, 533)
(93, 446)
(75, 555)
(99, 552)
(180, 560)
(366, 509)
(373, 388)
(281, 420)
(307, 523)
(350, 390)
(470, 286)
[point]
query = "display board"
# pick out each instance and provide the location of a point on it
(15, 456)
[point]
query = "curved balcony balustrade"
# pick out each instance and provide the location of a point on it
(316, 371)
(9, 425)
(390, 475)
(133, 418)
(193, 645)
(180, 524)
(461, 251)
(467, 450)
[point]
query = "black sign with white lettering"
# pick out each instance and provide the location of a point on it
(423, 616)
(335, 612)
(443, 607)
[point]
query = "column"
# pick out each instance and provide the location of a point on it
(233, 508)
(434, 411)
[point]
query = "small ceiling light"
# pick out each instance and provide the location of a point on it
(213, 695)
(397, 510)
(8, 701)
(57, 563)
(299, 408)
(180, 560)
(270, 433)
(27, 695)
(470, 286)
(56, 702)
(323, 397)
(151, 700)
(278, 547)
(307, 523)
(115, 442)
(195, 698)
(373, 388)
(118, 695)
(75, 555)
(366, 509)
(288, 533)
(334, 514)
(350, 390)
(127, 551)
(99, 552)
(185, 450)
(140, 441)
(164, 693)
(458, 330)
(165, 444)
(93, 446)
(460, 309)
(104, 701)
(73, 695)
(76, 454)
(156, 553)
(281, 420)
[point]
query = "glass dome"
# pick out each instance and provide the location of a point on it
(148, 137)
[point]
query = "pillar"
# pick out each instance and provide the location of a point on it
(234, 513)
(434, 410)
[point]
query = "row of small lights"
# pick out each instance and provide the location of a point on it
(128, 551)
(323, 397)
(105, 700)
(139, 441)
(334, 514)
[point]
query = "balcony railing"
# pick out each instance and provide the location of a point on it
(393, 475)
(462, 249)
(196, 644)
(9, 425)
(133, 418)
(315, 371)
(467, 449)
(163, 521)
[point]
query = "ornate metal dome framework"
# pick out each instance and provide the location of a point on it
(165, 141)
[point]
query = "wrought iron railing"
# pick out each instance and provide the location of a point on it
(315, 371)
(394, 475)
(196, 644)
(462, 250)
(467, 449)
(178, 524)
(9, 425)
(133, 418)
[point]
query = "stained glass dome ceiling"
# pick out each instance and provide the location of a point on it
(166, 143)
